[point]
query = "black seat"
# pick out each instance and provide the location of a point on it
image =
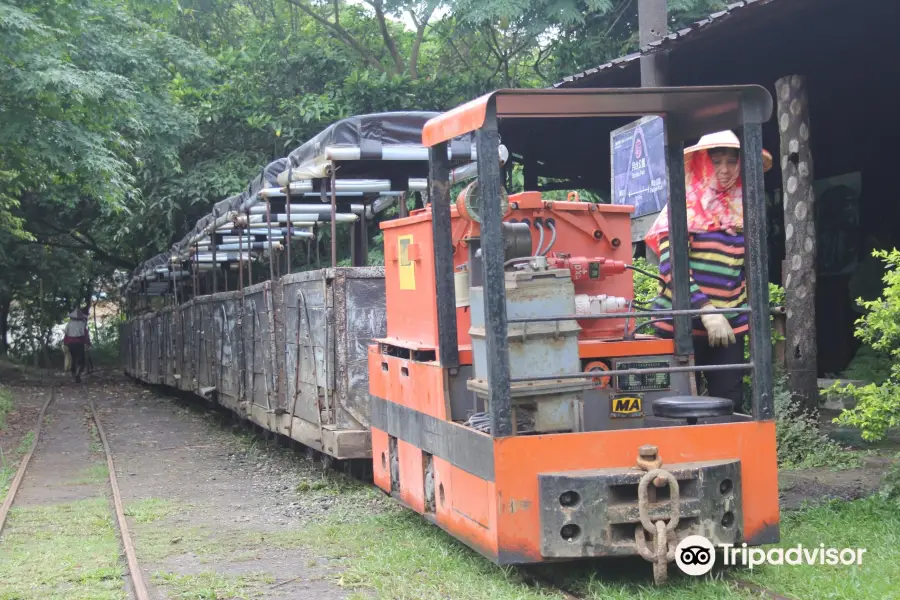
(692, 408)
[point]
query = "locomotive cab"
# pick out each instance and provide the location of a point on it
(517, 401)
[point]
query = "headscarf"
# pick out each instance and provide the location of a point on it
(709, 206)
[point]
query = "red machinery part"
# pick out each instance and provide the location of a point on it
(583, 268)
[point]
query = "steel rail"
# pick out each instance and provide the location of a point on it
(20, 474)
(137, 578)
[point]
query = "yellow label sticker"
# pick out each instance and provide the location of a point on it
(626, 406)
(407, 267)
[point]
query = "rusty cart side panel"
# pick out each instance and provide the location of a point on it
(361, 316)
(330, 317)
(306, 343)
(291, 355)
(259, 364)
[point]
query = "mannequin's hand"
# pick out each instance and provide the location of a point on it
(719, 330)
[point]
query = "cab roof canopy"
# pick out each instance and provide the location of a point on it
(565, 133)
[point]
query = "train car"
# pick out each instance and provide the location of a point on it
(222, 316)
(523, 301)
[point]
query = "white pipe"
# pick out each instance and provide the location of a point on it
(279, 193)
(295, 219)
(393, 152)
(257, 230)
(221, 257)
(320, 209)
(276, 235)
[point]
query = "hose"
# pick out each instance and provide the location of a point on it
(518, 259)
(552, 238)
(537, 225)
(648, 274)
(650, 322)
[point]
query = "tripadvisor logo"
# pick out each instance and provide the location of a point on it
(695, 555)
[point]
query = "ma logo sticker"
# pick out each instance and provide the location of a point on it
(626, 406)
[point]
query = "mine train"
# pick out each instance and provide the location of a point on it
(495, 371)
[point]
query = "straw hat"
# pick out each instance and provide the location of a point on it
(725, 139)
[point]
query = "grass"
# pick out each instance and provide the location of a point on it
(97, 473)
(156, 539)
(212, 586)
(401, 557)
(10, 463)
(96, 442)
(871, 523)
(61, 552)
(6, 406)
(398, 556)
(151, 510)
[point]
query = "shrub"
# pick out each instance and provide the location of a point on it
(800, 443)
(890, 484)
(646, 288)
(878, 403)
(5, 406)
(105, 341)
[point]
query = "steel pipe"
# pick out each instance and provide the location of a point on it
(297, 209)
(393, 152)
(296, 219)
(617, 372)
(622, 315)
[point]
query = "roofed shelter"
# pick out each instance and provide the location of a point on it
(833, 67)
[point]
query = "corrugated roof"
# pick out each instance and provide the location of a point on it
(732, 11)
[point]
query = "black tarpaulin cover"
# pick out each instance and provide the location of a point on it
(368, 132)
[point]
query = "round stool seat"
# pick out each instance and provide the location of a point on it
(692, 407)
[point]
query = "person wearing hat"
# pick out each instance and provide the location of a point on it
(715, 219)
(76, 339)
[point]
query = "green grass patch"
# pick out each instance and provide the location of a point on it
(10, 463)
(157, 541)
(96, 474)
(396, 554)
(151, 510)
(212, 586)
(157, 538)
(6, 405)
(871, 523)
(96, 442)
(61, 552)
(401, 557)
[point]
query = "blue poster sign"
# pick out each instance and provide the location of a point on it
(638, 154)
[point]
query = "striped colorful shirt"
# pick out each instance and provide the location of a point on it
(717, 277)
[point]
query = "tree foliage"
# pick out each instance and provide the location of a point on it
(123, 121)
(878, 403)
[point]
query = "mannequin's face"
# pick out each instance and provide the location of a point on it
(726, 162)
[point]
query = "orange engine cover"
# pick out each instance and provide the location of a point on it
(583, 229)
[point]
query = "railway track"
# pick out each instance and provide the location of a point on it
(138, 584)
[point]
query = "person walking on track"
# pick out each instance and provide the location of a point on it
(76, 340)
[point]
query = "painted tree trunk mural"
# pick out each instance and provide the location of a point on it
(799, 272)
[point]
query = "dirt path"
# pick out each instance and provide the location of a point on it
(212, 515)
(66, 466)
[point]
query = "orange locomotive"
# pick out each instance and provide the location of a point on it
(488, 416)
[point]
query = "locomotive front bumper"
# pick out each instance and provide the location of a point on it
(595, 513)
